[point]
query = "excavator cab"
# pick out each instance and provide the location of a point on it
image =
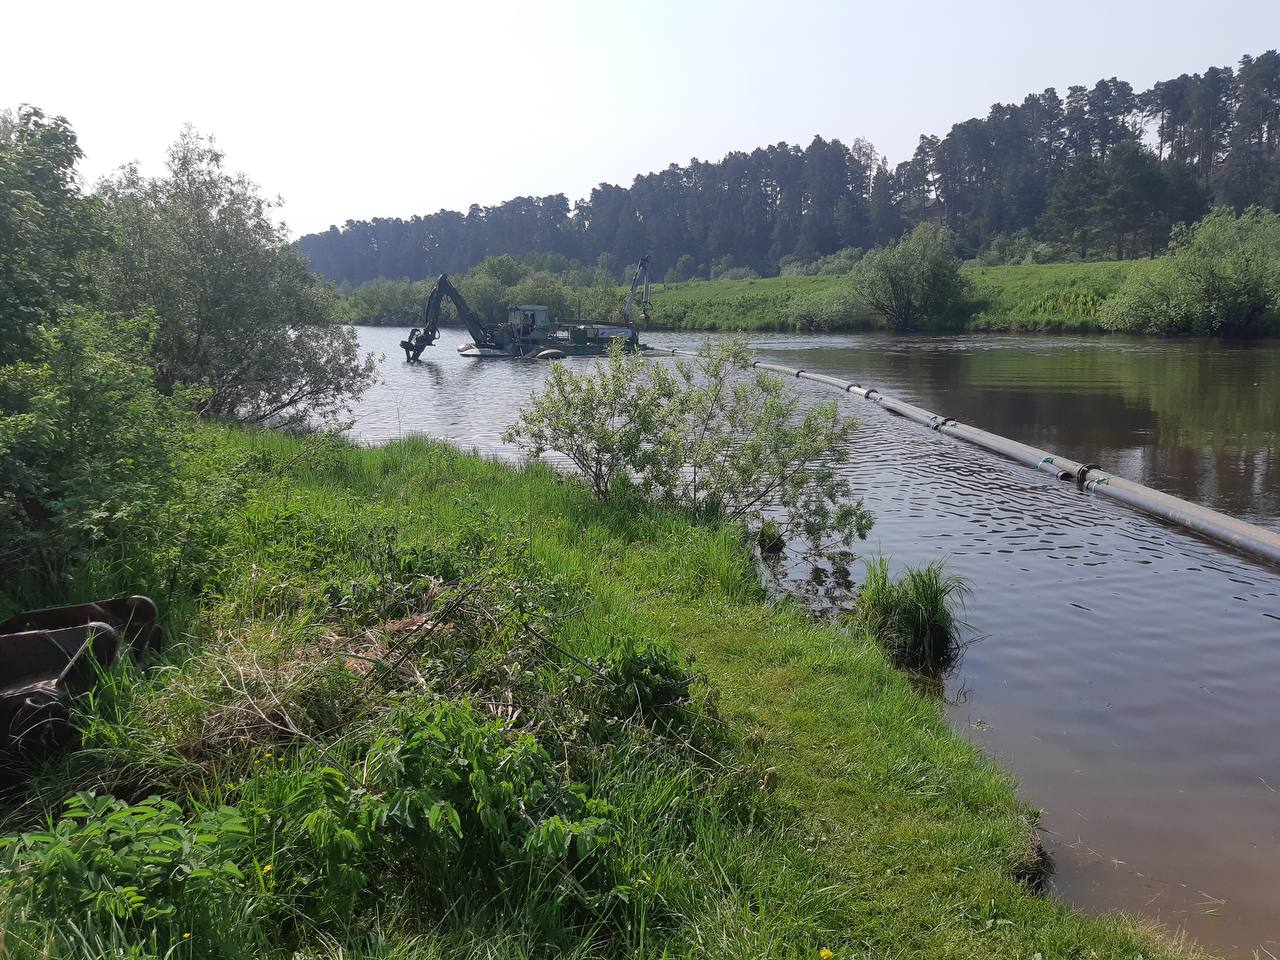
(530, 321)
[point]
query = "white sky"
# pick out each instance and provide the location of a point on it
(355, 110)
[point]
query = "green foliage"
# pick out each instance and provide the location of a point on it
(1062, 296)
(684, 269)
(1220, 277)
(536, 637)
(442, 798)
(1018, 248)
(45, 227)
(88, 448)
(389, 303)
(146, 870)
(913, 617)
(704, 436)
(914, 281)
(837, 264)
(606, 423)
(775, 303)
(238, 312)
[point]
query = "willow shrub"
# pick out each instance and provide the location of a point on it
(914, 282)
(1221, 276)
(707, 436)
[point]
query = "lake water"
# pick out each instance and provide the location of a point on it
(1126, 672)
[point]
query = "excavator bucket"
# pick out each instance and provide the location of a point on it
(49, 657)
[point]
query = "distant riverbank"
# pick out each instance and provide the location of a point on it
(1060, 297)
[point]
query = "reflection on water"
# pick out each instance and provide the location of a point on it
(1126, 671)
(1197, 419)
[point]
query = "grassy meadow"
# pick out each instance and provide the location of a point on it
(418, 704)
(1040, 297)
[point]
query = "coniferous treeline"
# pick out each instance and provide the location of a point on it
(1103, 173)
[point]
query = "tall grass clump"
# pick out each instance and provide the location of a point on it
(913, 617)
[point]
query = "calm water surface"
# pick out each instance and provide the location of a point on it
(1126, 672)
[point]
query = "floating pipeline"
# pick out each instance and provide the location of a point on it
(1086, 476)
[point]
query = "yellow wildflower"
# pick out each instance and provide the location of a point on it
(825, 954)
(186, 936)
(267, 868)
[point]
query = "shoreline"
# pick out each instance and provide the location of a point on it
(876, 826)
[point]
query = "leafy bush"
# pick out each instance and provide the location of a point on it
(912, 617)
(460, 803)
(142, 873)
(704, 436)
(389, 303)
(913, 280)
(1016, 248)
(838, 308)
(88, 448)
(1221, 276)
(439, 803)
(834, 265)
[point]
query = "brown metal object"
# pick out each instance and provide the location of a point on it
(49, 657)
(133, 618)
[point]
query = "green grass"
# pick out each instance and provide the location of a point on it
(1045, 297)
(913, 617)
(772, 303)
(798, 797)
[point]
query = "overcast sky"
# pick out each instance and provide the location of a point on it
(355, 110)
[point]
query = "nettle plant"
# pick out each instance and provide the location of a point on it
(709, 435)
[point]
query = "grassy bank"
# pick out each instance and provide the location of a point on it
(1048, 297)
(419, 704)
(1045, 297)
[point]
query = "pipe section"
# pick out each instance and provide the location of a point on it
(1243, 536)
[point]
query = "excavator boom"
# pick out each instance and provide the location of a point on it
(480, 333)
(641, 276)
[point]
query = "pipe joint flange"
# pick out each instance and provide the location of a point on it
(1083, 472)
(869, 392)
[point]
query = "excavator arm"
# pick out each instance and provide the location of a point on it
(641, 276)
(480, 333)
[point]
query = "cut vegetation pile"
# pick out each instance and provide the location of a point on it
(419, 704)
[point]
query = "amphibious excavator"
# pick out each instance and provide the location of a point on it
(529, 330)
